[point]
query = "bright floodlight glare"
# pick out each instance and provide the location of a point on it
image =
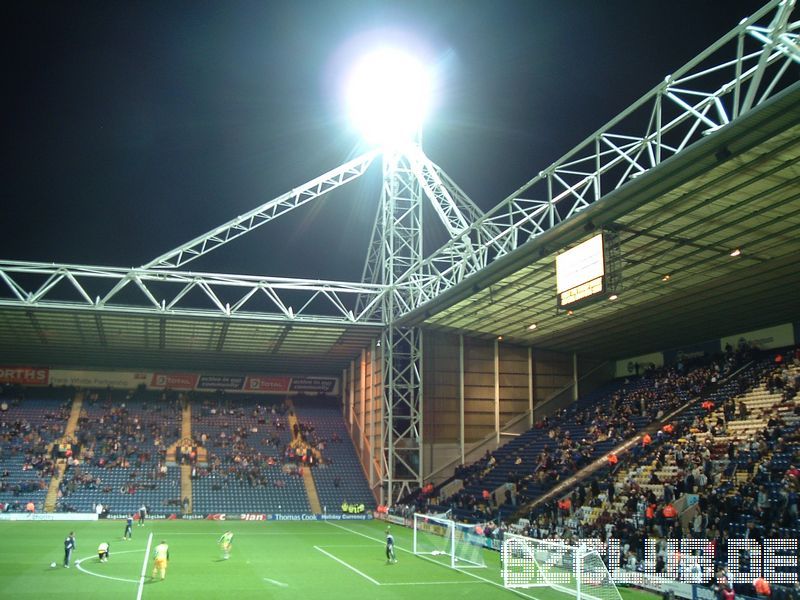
(387, 96)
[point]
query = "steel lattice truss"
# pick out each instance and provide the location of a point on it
(401, 459)
(744, 69)
(264, 213)
(181, 293)
(400, 242)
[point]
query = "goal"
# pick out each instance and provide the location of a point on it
(443, 540)
(574, 570)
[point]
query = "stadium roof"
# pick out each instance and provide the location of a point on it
(737, 188)
(130, 340)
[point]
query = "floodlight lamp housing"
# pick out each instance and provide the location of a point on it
(388, 93)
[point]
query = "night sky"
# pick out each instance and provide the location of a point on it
(132, 127)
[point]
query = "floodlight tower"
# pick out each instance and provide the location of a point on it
(388, 94)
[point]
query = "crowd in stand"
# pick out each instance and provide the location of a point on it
(243, 452)
(19, 437)
(700, 481)
(120, 445)
(659, 392)
(248, 443)
(130, 433)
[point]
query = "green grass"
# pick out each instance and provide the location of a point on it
(315, 560)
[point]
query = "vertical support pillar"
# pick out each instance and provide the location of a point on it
(420, 406)
(363, 401)
(401, 248)
(403, 411)
(574, 376)
(461, 440)
(388, 415)
(344, 394)
(372, 416)
(383, 468)
(352, 394)
(497, 390)
(530, 387)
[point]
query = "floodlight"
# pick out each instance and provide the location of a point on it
(387, 95)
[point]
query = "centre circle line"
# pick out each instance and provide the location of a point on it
(80, 568)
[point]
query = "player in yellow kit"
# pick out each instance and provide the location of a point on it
(225, 542)
(160, 559)
(102, 552)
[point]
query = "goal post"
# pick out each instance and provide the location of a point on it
(574, 570)
(445, 541)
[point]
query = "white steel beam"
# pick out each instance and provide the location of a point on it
(47, 285)
(263, 214)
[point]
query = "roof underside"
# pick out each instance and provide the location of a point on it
(737, 188)
(99, 339)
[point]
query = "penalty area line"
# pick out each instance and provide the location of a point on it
(489, 581)
(349, 566)
(278, 583)
(144, 567)
(435, 583)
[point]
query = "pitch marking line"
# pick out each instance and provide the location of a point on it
(144, 566)
(347, 546)
(320, 548)
(80, 568)
(349, 566)
(242, 533)
(435, 583)
(278, 583)
(489, 581)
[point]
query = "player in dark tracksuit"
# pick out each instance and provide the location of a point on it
(69, 546)
(128, 529)
(390, 558)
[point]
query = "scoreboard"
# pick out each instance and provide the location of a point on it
(581, 273)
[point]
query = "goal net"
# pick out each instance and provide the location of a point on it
(450, 543)
(574, 570)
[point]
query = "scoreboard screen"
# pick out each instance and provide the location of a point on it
(580, 272)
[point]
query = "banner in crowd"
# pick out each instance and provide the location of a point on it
(282, 517)
(266, 385)
(779, 336)
(229, 383)
(98, 379)
(174, 381)
(638, 364)
(253, 384)
(313, 384)
(236, 517)
(327, 517)
(26, 516)
(25, 375)
(766, 339)
(689, 352)
(181, 382)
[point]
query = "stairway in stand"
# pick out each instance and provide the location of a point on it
(186, 470)
(61, 464)
(308, 479)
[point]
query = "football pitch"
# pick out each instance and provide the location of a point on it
(269, 559)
